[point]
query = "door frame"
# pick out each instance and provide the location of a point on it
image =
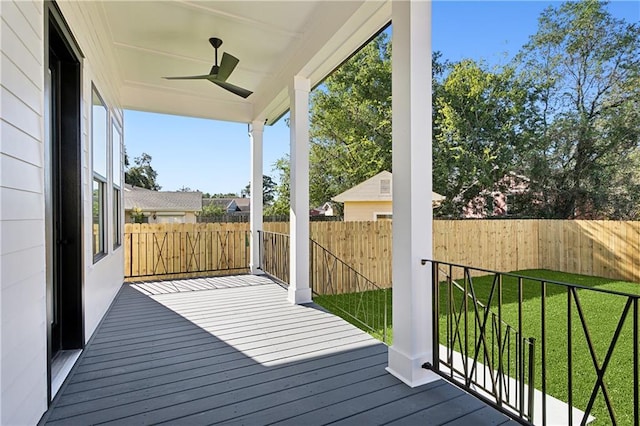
(64, 234)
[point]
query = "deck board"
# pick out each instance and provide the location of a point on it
(236, 352)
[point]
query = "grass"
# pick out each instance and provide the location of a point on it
(602, 313)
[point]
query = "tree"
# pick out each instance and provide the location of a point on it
(212, 210)
(481, 123)
(584, 66)
(350, 123)
(220, 195)
(268, 190)
(142, 174)
(184, 189)
(281, 204)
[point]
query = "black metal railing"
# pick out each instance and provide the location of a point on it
(160, 253)
(552, 345)
(346, 292)
(335, 285)
(274, 255)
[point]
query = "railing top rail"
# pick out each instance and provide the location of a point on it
(274, 233)
(525, 277)
(345, 264)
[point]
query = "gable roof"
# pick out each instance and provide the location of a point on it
(243, 203)
(149, 200)
(225, 203)
(374, 189)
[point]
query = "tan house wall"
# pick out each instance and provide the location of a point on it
(177, 217)
(365, 210)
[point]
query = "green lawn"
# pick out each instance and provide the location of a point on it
(601, 311)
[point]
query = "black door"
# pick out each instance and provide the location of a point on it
(63, 191)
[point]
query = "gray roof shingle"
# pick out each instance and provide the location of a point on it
(149, 200)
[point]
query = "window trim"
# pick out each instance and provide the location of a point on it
(116, 188)
(102, 248)
(381, 216)
(102, 181)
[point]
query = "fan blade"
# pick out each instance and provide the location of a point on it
(233, 89)
(227, 66)
(191, 77)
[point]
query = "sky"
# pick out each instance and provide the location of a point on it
(213, 156)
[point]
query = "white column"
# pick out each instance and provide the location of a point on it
(255, 136)
(412, 182)
(299, 290)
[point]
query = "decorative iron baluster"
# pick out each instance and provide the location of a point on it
(507, 354)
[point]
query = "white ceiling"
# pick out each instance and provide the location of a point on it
(274, 40)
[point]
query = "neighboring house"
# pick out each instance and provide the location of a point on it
(243, 204)
(161, 206)
(324, 210)
(372, 199)
(496, 202)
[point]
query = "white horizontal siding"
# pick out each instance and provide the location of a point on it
(22, 247)
(31, 259)
(17, 144)
(19, 114)
(17, 236)
(32, 11)
(23, 388)
(20, 205)
(23, 88)
(29, 31)
(15, 48)
(18, 305)
(20, 175)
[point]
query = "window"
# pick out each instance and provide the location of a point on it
(98, 219)
(117, 234)
(385, 186)
(116, 170)
(99, 126)
(384, 216)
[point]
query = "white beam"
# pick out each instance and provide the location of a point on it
(255, 136)
(412, 182)
(299, 290)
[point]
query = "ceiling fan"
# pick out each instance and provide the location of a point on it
(219, 74)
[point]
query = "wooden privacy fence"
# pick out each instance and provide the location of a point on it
(602, 248)
(160, 251)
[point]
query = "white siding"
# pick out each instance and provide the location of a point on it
(23, 328)
(23, 388)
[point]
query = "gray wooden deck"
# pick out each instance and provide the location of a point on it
(233, 351)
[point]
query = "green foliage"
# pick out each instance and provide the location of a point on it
(137, 216)
(213, 210)
(584, 67)
(480, 126)
(220, 195)
(268, 190)
(280, 205)
(564, 117)
(142, 174)
(351, 123)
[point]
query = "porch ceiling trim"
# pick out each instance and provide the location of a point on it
(274, 40)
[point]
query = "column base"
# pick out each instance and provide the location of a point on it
(410, 370)
(254, 270)
(297, 296)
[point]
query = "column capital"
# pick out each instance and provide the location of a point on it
(301, 83)
(256, 126)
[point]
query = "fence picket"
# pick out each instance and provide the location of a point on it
(602, 248)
